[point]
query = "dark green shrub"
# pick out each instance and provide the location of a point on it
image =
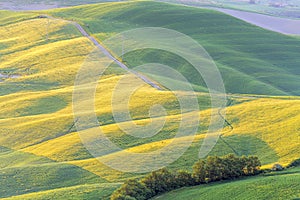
(131, 188)
(251, 165)
(122, 197)
(199, 171)
(212, 169)
(228, 167)
(160, 181)
(234, 166)
(277, 167)
(184, 179)
(295, 163)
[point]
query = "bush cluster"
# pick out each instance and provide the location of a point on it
(223, 168)
(295, 163)
(153, 184)
(204, 171)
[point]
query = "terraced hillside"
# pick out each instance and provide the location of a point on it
(41, 153)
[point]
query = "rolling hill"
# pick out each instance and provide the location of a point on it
(275, 186)
(251, 60)
(41, 153)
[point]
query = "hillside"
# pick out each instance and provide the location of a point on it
(251, 60)
(276, 186)
(41, 153)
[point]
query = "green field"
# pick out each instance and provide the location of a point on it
(271, 186)
(251, 60)
(41, 154)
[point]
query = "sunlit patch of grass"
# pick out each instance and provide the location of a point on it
(85, 191)
(273, 121)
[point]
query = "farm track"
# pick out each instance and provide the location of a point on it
(231, 129)
(107, 53)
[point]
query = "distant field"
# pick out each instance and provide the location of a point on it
(277, 186)
(277, 24)
(43, 4)
(289, 8)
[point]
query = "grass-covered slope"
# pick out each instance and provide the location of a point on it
(272, 186)
(40, 143)
(79, 192)
(8, 17)
(251, 60)
(25, 173)
(31, 97)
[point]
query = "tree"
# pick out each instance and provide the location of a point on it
(160, 181)
(122, 197)
(184, 179)
(131, 189)
(251, 165)
(228, 167)
(199, 171)
(295, 163)
(277, 167)
(234, 166)
(212, 169)
(254, 165)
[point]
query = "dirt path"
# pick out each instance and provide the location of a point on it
(109, 55)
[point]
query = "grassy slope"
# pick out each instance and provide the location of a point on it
(8, 17)
(280, 186)
(251, 60)
(48, 68)
(25, 98)
(25, 173)
(86, 191)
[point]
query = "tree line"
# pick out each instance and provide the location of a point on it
(208, 170)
